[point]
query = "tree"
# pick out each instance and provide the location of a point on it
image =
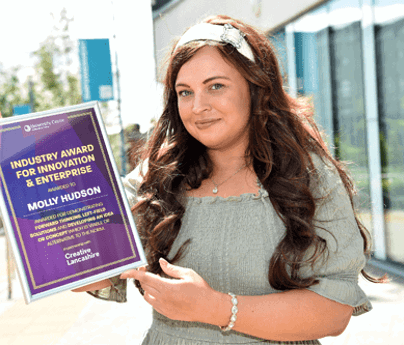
(11, 91)
(57, 84)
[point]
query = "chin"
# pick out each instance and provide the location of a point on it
(209, 142)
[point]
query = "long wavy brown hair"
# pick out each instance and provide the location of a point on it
(281, 137)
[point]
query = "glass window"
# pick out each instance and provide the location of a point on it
(328, 46)
(278, 40)
(348, 95)
(313, 66)
(323, 96)
(157, 4)
(389, 33)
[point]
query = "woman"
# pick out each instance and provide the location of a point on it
(246, 219)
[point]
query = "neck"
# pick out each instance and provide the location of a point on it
(227, 160)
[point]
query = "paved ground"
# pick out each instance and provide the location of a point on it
(78, 319)
(384, 324)
(69, 318)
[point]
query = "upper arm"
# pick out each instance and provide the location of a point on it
(338, 269)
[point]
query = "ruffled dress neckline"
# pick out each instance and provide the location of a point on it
(262, 193)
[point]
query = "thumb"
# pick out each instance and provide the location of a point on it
(172, 270)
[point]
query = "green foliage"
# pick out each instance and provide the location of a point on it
(10, 91)
(115, 141)
(73, 95)
(352, 147)
(50, 80)
(56, 89)
(393, 143)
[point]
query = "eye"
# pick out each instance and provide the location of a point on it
(217, 86)
(184, 93)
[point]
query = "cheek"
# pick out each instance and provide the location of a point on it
(245, 102)
(182, 111)
(185, 116)
(243, 108)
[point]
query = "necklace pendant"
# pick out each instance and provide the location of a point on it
(214, 190)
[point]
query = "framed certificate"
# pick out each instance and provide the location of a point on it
(63, 204)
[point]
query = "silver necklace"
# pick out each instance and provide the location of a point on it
(215, 190)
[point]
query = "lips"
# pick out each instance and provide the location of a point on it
(203, 124)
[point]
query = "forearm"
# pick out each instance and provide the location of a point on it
(286, 316)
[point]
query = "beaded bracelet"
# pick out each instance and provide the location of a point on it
(234, 311)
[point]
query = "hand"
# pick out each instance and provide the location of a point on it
(94, 286)
(187, 298)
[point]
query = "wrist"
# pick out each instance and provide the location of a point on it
(234, 311)
(220, 309)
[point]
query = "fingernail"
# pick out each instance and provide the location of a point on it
(163, 261)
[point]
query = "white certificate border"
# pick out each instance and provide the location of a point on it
(9, 229)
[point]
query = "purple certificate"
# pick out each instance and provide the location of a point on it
(63, 204)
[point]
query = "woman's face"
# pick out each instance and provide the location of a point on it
(214, 101)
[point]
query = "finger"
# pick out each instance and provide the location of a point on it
(149, 298)
(150, 279)
(172, 270)
(128, 274)
(151, 290)
(147, 286)
(134, 273)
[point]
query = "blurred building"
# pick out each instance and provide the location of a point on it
(348, 57)
(134, 142)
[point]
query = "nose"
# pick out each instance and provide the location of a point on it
(201, 103)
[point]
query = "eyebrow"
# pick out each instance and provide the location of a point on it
(205, 81)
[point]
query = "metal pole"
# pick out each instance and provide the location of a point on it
(372, 127)
(118, 90)
(31, 94)
(122, 133)
(9, 270)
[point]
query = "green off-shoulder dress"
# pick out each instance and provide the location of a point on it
(232, 242)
